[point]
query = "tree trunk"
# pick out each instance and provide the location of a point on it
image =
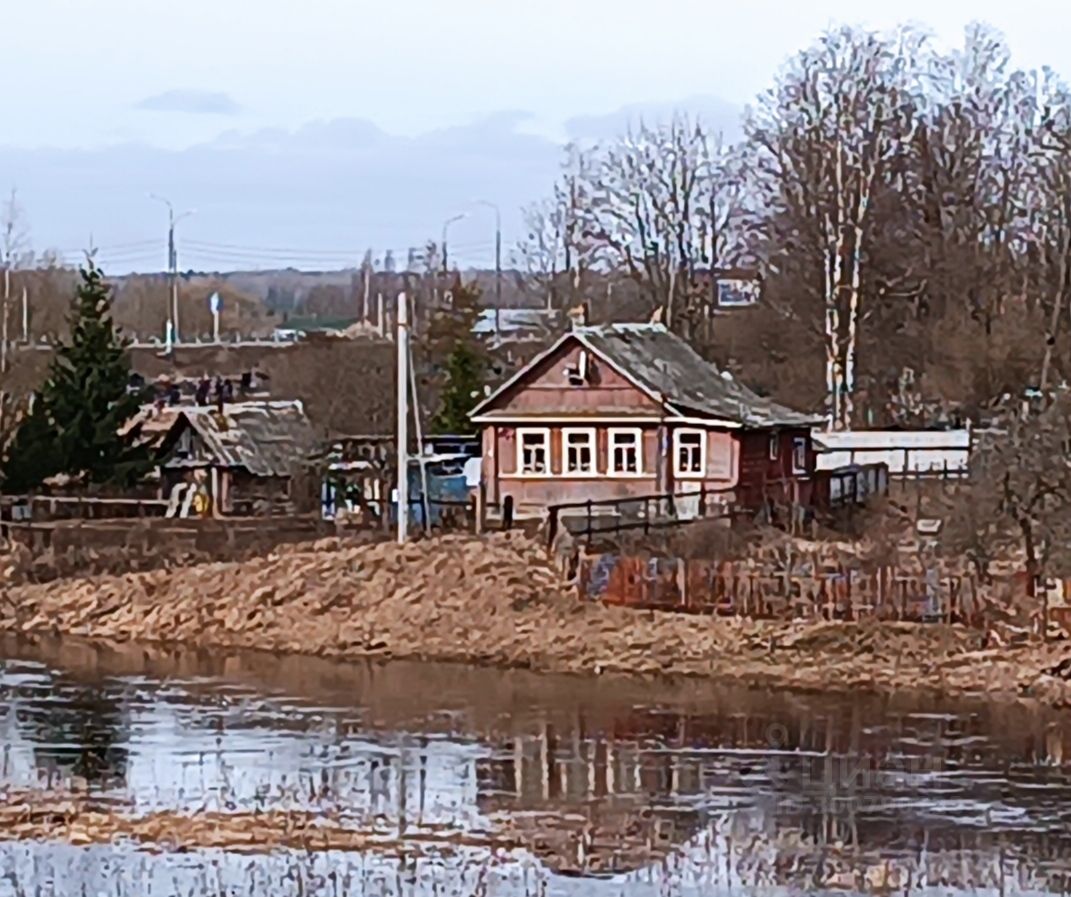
(853, 330)
(1057, 307)
(1030, 549)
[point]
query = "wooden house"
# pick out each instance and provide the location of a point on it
(243, 459)
(628, 410)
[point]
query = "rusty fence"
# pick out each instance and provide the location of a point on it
(700, 586)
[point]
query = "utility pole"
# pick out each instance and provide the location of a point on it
(12, 240)
(172, 265)
(367, 291)
(402, 340)
(498, 259)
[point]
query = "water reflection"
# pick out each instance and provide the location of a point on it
(668, 791)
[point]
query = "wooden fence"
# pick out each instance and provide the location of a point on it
(644, 513)
(702, 586)
(76, 507)
(828, 491)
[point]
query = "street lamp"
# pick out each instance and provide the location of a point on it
(446, 227)
(172, 260)
(498, 256)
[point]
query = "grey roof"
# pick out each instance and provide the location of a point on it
(269, 439)
(516, 323)
(668, 367)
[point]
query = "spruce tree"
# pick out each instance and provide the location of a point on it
(31, 456)
(465, 372)
(75, 425)
(458, 360)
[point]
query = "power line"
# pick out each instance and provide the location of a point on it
(236, 250)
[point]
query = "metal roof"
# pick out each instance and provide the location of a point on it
(269, 439)
(667, 366)
(674, 374)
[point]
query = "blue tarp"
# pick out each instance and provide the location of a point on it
(447, 489)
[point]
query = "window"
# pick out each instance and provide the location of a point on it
(533, 452)
(626, 453)
(579, 451)
(799, 455)
(689, 456)
(775, 446)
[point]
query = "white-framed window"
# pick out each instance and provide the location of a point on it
(625, 452)
(533, 451)
(578, 451)
(689, 453)
(775, 445)
(799, 455)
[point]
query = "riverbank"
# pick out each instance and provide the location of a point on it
(499, 602)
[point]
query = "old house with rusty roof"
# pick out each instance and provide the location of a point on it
(245, 458)
(627, 410)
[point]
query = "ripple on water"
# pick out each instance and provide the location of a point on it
(734, 790)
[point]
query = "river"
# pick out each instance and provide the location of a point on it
(481, 782)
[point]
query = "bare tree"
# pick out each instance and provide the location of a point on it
(975, 190)
(1017, 501)
(829, 137)
(554, 252)
(659, 206)
(1049, 241)
(662, 209)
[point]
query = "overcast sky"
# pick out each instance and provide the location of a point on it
(173, 74)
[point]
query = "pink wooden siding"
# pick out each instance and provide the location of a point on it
(548, 388)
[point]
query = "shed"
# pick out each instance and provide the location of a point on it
(247, 458)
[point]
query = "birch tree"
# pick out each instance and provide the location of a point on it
(828, 137)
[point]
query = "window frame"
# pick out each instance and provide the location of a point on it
(636, 433)
(689, 474)
(591, 436)
(544, 434)
(799, 443)
(773, 446)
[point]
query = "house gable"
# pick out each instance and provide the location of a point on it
(574, 380)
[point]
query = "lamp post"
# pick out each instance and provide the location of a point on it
(172, 262)
(498, 257)
(446, 228)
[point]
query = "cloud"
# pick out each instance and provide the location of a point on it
(193, 102)
(318, 188)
